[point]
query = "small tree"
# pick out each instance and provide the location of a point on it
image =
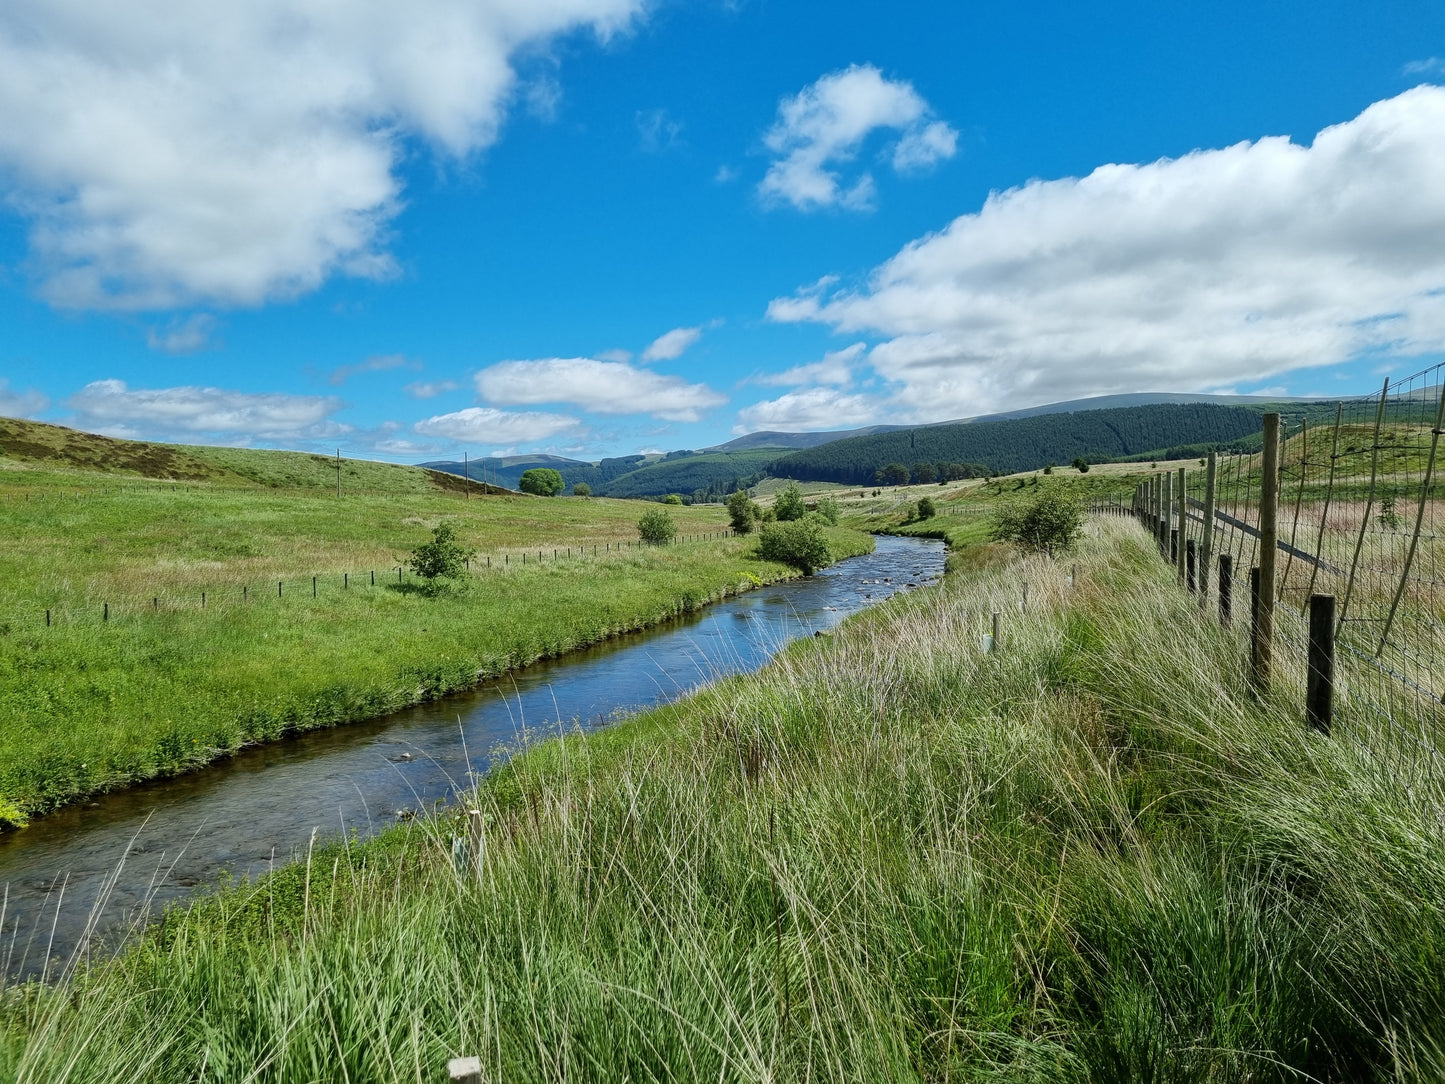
(542, 481)
(581, 489)
(1046, 522)
(896, 474)
(742, 512)
(656, 527)
(442, 556)
(789, 503)
(827, 507)
(926, 508)
(673, 498)
(1081, 464)
(799, 543)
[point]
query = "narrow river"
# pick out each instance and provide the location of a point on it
(87, 873)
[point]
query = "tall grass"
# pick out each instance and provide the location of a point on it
(1091, 855)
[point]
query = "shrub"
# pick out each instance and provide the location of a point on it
(582, 489)
(926, 508)
(789, 503)
(799, 543)
(442, 556)
(1046, 522)
(673, 498)
(656, 527)
(1081, 464)
(1049, 469)
(542, 481)
(742, 511)
(827, 507)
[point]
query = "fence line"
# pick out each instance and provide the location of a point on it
(500, 562)
(1359, 504)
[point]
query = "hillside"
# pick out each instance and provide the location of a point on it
(708, 475)
(1024, 443)
(41, 447)
(773, 439)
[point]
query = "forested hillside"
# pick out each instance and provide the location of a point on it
(707, 475)
(1023, 443)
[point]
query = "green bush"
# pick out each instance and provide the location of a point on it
(656, 527)
(742, 512)
(1081, 464)
(673, 498)
(789, 503)
(798, 542)
(541, 481)
(1046, 522)
(442, 556)
(582, 489)
(926, 508)
(827, 507)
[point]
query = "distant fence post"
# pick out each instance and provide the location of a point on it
(1206, 544)
(1226, 588)
(1268, 552)
(1320, 684)
(1182, 514)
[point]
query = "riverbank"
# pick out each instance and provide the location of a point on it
(152, 686)
(1089, 855)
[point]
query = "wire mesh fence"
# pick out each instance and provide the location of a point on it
(1358, 517)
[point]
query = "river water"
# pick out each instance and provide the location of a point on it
(86, 874)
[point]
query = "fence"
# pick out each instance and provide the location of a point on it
(238, 593)
(1331, 532)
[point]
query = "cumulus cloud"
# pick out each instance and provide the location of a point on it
(1222, 266)
(672, 344)
(825, 126)
(484, 425)
(603, 387)
(430, 389)
(836, 368)
(167, 153)
(20, 404)
(811, 409)
(109, 406)
(183, 335)
(377, 363)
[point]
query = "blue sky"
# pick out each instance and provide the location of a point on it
(593, 227)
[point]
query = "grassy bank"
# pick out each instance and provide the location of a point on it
(1089, 856)
(169, 644)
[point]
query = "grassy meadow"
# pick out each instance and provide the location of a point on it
(1093, 855)
(166, 683)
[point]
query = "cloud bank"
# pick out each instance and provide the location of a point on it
(485, 425)
(1221, 267)
(602, 387)
(110, 407)
(824, 127)
(168, 153)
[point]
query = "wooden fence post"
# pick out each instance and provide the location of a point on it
(1268, 553)
(1206, 546)
(1190, 572)
(1182, 514)
(1320, 684)
(1254, 625)
(1167, 514)
(1226, 588)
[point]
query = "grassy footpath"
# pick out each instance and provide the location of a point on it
(165, 685)
(1091, 856)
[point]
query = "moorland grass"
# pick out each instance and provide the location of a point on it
(1093, 855)
(133, 677)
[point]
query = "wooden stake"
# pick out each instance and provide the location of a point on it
(1320, 684)
(1226, 589)
(1181, 511)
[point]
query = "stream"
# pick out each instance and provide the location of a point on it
(88, 873)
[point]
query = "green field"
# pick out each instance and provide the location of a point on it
(169, 643)
(1091, 856)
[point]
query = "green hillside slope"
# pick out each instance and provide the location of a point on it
(714, 473)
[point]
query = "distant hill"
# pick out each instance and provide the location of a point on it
(772, 439)
(41, 445)
(1135, 399)
(704, 475)
(1026, 443)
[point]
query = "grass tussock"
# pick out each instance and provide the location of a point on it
(1090, 856)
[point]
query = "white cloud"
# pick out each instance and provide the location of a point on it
(811, 409)
(603, 387)
(826, 124)
(109, 406)
(168, 152)
(1219, 267)
(20, 404)
(1425, 67)
(483, 425)
(657, 130)
(836, 368)
(672, 344)
(377, 363)
(615, 355)
(430, 389)
(183, 335)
